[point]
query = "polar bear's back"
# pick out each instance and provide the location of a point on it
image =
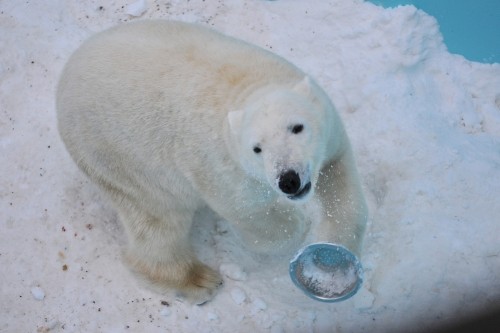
(158, 69)
(141, 95)
(173, 55)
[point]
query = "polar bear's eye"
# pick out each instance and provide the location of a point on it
(296, 129)
(257, 149)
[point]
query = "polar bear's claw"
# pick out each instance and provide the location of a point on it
(201, 284)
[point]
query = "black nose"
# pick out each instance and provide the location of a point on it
(289, 182)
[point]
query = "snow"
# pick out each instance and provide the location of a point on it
(238, 296)
(258, 305)
(425, 129)
(38, 293)
(137, 8)
(233, 271)
(165, 312)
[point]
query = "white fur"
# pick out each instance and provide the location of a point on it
(164, 116)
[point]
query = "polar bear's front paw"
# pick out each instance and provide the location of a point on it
(194, 281)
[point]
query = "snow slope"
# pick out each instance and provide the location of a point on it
(425, 127)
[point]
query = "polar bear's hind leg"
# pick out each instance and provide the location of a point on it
(160, 253)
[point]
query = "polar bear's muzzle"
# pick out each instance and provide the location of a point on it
(289, 183)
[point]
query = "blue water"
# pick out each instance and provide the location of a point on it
(469, 27)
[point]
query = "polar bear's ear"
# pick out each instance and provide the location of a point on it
(304, 86)
(234, 118)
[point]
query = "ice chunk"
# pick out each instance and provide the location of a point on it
(238, 296)
(211, 316)
(165, 312)
(137, 8)
(38, 293)
(257, 306)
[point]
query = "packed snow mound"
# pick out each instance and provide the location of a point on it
(425, 130)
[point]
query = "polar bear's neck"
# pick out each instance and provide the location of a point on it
(254, 91)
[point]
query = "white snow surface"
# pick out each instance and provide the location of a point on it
(425, 128)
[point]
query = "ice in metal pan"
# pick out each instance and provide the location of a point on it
(326, 272)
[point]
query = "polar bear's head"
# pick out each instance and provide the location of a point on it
(280, 137)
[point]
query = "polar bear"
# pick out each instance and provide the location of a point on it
(167, 117)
